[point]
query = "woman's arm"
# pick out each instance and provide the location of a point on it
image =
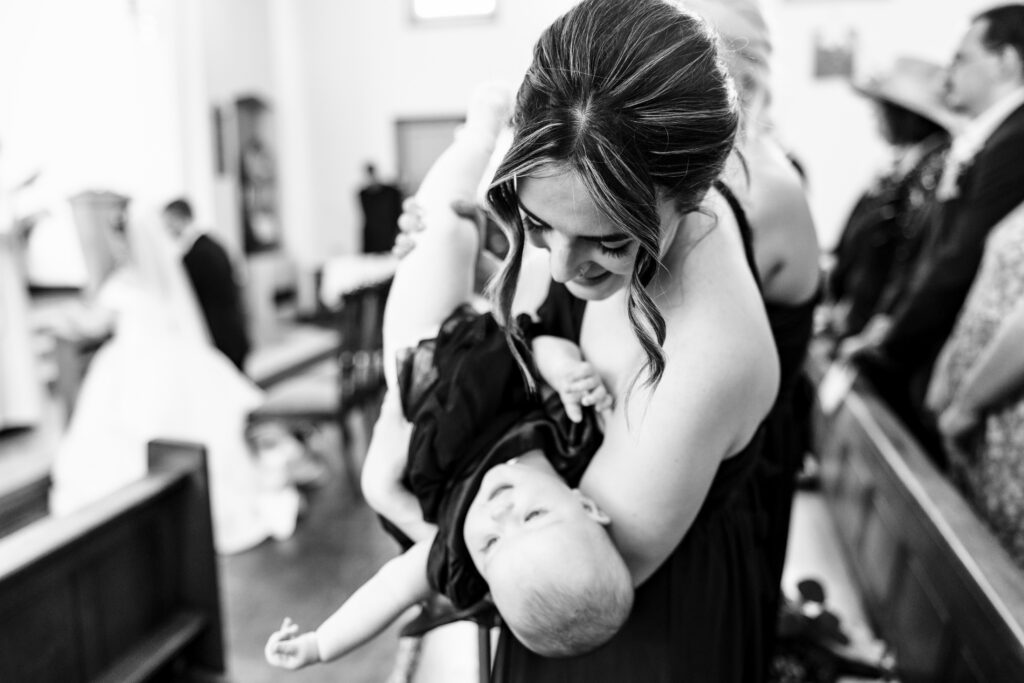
(998, 372)
(662, 448)
(384, 469)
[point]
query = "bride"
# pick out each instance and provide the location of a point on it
(157, 377)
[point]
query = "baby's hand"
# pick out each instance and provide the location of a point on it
(287, 649)
(580, 385)
(409, 223)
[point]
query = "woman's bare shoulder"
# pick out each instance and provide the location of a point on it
(716, 325)
(787, 247)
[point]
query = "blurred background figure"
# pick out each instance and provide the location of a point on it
(983, 179)
(879, 245)
(21, 395)
(157, 377)
(213, 278)
(382, 205)
(977, 392)
(769, 191)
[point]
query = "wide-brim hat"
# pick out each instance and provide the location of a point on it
(914, 84)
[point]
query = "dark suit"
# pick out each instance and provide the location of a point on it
(382, 205)
(989, 188)
(210, 271)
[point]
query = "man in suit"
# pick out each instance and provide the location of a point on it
(982, 182)
(382, 205)
(213, 280)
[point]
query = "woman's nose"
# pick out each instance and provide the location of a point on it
(564, 261)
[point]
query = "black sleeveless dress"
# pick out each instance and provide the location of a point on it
(471, 409)
(698, 618)
(787, 428)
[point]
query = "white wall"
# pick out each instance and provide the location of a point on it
(119, 93)
(369, 65)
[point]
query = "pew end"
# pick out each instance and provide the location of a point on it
(936, 583)
(124, 590)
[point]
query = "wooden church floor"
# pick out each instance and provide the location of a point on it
(340, 544)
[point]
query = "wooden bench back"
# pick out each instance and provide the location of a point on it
(935, 581)
(120, 591)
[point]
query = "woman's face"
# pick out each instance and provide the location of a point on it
(593, 256)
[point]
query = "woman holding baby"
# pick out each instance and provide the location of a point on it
(621, 130)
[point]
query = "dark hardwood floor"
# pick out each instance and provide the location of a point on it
(337, 546)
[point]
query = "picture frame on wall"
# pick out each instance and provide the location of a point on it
(431, 11)
(835, 55)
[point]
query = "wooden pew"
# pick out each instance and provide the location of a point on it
(935, 581)
(125, 590)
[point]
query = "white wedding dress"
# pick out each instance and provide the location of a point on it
(21, 388)
(159, 377)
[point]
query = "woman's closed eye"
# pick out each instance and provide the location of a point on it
(616, 248)
(489, 543)
(530, 225)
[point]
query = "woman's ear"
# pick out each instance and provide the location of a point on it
(591, 508)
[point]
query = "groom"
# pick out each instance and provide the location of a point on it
(213, 280)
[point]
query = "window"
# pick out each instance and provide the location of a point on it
(435, 10)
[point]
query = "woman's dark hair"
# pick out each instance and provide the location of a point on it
(905, 127)
(632, 98)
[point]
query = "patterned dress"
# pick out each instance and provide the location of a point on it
(992, 476)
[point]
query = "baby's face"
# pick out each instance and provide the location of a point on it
(520, 512)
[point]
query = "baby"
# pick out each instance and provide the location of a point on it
(468, 463)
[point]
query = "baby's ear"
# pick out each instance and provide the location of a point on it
(591, 508)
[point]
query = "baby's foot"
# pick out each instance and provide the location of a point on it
(489, 108)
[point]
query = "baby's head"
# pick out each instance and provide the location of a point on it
(554, 573)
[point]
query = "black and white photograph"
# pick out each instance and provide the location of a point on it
(511, 341)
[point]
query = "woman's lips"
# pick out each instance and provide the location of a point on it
(600, 277)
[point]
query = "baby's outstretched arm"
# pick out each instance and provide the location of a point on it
(560, 363)
(397, 586)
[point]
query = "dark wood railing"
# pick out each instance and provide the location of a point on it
(935, 581)
(124, 590)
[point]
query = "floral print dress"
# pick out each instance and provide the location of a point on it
(992, 476)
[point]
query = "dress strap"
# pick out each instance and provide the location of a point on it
(745, 230)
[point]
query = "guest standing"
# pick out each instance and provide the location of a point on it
(977, 392)
(982, 182)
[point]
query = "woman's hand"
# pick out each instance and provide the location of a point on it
(410, 223)
(286, 649)
(958, 426)
(939, 397)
